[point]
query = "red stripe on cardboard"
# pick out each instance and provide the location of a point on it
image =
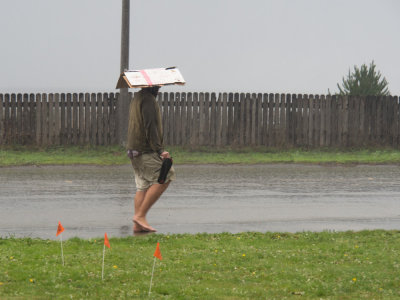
(146, 77)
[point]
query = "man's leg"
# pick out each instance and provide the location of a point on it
(150, 197)
(139, 197)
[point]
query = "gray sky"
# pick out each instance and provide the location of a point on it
(285, 46)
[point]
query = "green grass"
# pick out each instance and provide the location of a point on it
(325, 265)
(18, 156)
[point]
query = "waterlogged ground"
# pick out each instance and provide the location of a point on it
(209, 198)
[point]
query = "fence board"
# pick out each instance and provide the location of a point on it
(189, 118)
(317, 120)
(93, 119)
(113, 117)
(218, 120)
(99, 114)
(230, 120)
(177, 117)
(51, 120)
(183, 109)
(164, 99)
(206, 119)
(63, 123)
(202, 119)
(25, 130)
(282, 120)
(288, 108)
(321, 116)
(171, 116)
(248, 114)
(38, 119)
(224, 119)
(13, 123)
(87, 118)
(45, 120)
(253, 116)
(81, 132)
(69, 119)
(57, 119)
(362, 125)
(305, 120)
(32, 117)
(194, 139)
(340, 124)
(236, 119)
(293, 120)
(213, 119)
(18, 118)
(106, 119)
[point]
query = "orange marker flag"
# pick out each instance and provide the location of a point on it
(106, 242)
(157, 253)
(60, 228)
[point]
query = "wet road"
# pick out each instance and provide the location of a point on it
(209, 198)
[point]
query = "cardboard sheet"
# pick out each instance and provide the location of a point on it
(150, 77)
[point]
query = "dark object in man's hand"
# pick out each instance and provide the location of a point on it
(166, 165)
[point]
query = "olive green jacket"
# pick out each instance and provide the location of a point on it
(145, 132)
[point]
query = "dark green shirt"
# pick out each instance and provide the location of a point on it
(145, 132)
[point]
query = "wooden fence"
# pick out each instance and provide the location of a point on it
(208, 119)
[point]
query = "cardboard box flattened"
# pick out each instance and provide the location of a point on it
(150, 77)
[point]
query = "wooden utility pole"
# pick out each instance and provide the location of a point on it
(123, 101)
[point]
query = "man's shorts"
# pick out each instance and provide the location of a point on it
(147, 169)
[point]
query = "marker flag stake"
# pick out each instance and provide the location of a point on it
(152, 273)
(62, 252)
(157, 254)
(102, 268)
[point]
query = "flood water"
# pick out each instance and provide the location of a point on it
(90, 200)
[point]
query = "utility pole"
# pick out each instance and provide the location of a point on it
(123, 101)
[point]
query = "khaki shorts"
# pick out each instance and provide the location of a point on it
(147, 169)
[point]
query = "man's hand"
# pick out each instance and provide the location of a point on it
(165, 154)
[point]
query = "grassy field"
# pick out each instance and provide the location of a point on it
(325, 265)
(17, 156)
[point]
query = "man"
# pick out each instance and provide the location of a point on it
(146, 151)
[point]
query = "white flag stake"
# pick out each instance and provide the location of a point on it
(102, 268)
(62, 252)
(152, 273)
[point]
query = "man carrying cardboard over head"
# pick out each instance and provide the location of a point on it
(146, 151)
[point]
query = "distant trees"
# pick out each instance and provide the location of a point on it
(364, 81)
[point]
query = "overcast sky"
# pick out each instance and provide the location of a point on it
(284, 46)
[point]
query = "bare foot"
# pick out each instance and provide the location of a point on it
(137, 228)
(142, 223)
